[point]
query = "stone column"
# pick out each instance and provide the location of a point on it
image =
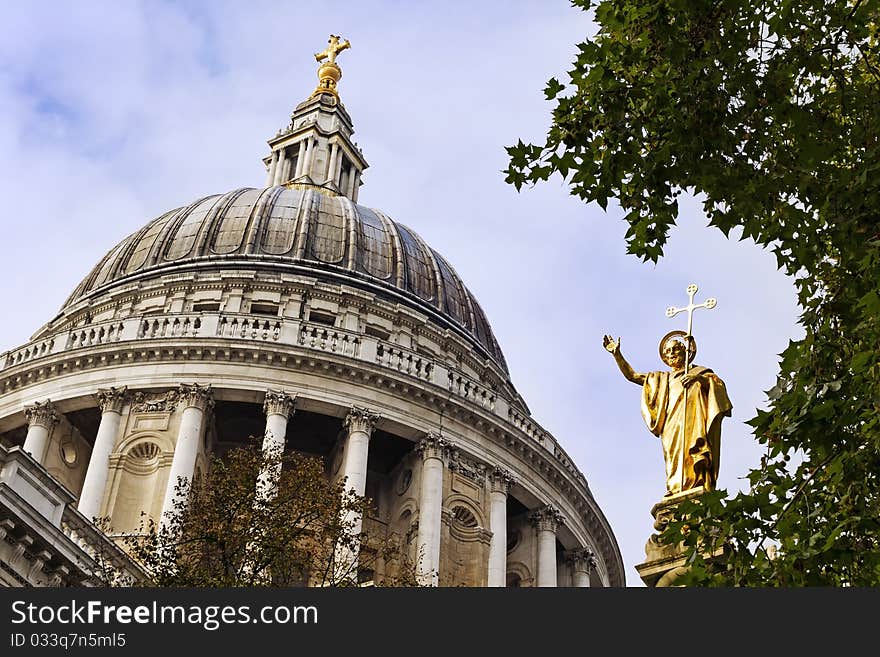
(300, 159)
(546, 521)
(278, 407)
(355, 185)
(310, 151)
(279, 167)
(360, 423)
(195, 401)
(285, 171)
(337, 174)
(582, 561)
(111, 402)
(435, 451)
(499, 485)
(41, 417)
(270, 180)
(331, 168)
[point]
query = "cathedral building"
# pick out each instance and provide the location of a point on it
(293, 312)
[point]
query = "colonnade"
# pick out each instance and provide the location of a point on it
(195, 402)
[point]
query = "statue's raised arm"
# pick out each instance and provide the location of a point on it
(613, 347)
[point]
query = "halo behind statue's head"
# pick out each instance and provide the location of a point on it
(679, 336)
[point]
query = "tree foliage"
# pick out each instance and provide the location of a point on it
(230, 529)
(769, 112)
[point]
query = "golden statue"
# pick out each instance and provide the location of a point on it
(329, 72)
(683, 407)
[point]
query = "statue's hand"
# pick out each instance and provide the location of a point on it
(611, 345)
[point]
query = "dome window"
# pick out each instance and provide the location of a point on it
(264, 309)
(327, 319)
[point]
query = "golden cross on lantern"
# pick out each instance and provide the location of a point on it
(333, 49)
(672, 311)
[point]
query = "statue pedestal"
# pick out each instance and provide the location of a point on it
(664, 563)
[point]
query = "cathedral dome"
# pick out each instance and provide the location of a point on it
(301, 230)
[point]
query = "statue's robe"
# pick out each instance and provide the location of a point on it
(691, 449)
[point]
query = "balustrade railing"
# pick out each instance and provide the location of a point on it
(404, 360)
(328, 338)
(469, 389)
(248, 327)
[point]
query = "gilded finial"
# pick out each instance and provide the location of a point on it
(329, 72)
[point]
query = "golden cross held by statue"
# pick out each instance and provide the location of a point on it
(333, 49)
(672, 311)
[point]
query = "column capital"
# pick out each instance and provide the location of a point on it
(112, 399)
(500, 480)
(547, 518)
(435, 446)
(360, 419)
(41, 414)
(196, 396)
(278, 402)
(581, 559)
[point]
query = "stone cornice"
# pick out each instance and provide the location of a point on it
(112, 400)
(41, 414)
(360, 419)
(278, 402)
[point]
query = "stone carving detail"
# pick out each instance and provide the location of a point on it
(112, 399)
(500, 480)
(41, 414)
(547, 518)
(278, 402)
(472, 470)
(161, 404)
(581, 559)
(360, 419)
(195, 396)
(435, 446)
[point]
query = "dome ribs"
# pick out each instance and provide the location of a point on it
(376, 252)
(261, 213)
(213, 220)
(397, 255)
(420, 276)
(234, 224)
(352, 223)
(328, 238)
(175, 247)
(311, 199)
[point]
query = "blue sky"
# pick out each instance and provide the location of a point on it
(114, 112)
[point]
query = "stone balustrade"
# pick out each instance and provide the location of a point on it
(28, 352)
(328, 338)
(466, 387)
(404, 360)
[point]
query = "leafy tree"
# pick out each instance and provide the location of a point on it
(769, 112)
(231, 529)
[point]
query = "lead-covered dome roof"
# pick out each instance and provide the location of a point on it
(302, 230)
